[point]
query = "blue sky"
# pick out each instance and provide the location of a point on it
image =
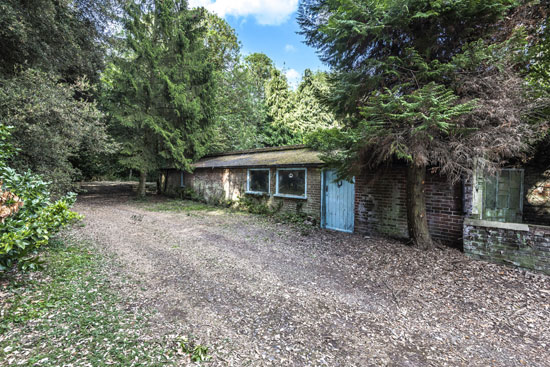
(269, 27)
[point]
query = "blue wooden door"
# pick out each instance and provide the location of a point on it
(338, 203)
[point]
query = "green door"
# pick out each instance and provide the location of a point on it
(503, 196)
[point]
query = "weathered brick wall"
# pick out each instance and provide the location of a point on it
(521, 245)
(230, 184)
(217, 184)
(380, 202)
(380, 205)
(445, 209)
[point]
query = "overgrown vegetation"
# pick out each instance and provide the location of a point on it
(69, 315)
(52, 56)
(51, 126)
(98, 87)
(257, 205)
(29, 217)
(433, 84)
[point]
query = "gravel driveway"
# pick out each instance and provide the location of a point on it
(263, 293)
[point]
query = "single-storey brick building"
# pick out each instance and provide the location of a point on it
(468, 214)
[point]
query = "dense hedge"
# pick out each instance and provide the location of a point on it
(30, 217)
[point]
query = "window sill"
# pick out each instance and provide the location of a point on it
(520, 227)
(257, 193)
(290, 196)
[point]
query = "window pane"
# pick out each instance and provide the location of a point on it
(259, 180)
(502, 197)
(292, 182)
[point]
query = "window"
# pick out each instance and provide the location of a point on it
(258, 181)
(503, 196)
(292, 182)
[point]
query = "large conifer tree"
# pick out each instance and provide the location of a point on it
(160, 87)
(430, 83)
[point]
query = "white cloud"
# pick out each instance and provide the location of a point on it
(293, 78)
(266, 12)
(290, 48)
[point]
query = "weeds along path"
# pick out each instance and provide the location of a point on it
(262, 293)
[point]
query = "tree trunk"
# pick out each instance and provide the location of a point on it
(416, 207)
(142, 182)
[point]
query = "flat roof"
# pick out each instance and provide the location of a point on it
(289, 156)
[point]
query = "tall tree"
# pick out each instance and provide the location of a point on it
(260, 67)
(238, 110)
(52, 36)
(51, 125)
(427, 60)
(277, 130)
(159, 90)
(309, 113)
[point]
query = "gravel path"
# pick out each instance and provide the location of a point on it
(262, 293)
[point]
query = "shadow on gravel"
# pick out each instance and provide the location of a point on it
(112, 188)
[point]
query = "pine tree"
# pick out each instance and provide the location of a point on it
(159, 88)
(419, 81)
(309, 113)
(277, 130)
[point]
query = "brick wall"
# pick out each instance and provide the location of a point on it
(521, 245)
(230, 184)
(380, 205)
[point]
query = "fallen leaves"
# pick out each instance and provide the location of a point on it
(9, 203)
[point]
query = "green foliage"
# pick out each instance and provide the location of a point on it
(240, 110)
(371, 44)
(257, 205)
(52, 36)
(221, 42)
(52, 127)
(277, 130)
(422, 81)
(354, 34)
(261, 67)
(310, 113)
(196, 352)
(159, 88)
(539, 72)
(23, 232)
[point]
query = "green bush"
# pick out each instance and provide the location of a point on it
(257, 205)
(32, 226)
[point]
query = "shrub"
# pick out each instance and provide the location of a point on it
(32, 217)
(257, 205)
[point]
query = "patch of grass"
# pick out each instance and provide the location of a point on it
(68, 315)
(180, 206)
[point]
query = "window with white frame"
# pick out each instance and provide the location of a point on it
(258, 181)
(292, 182)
